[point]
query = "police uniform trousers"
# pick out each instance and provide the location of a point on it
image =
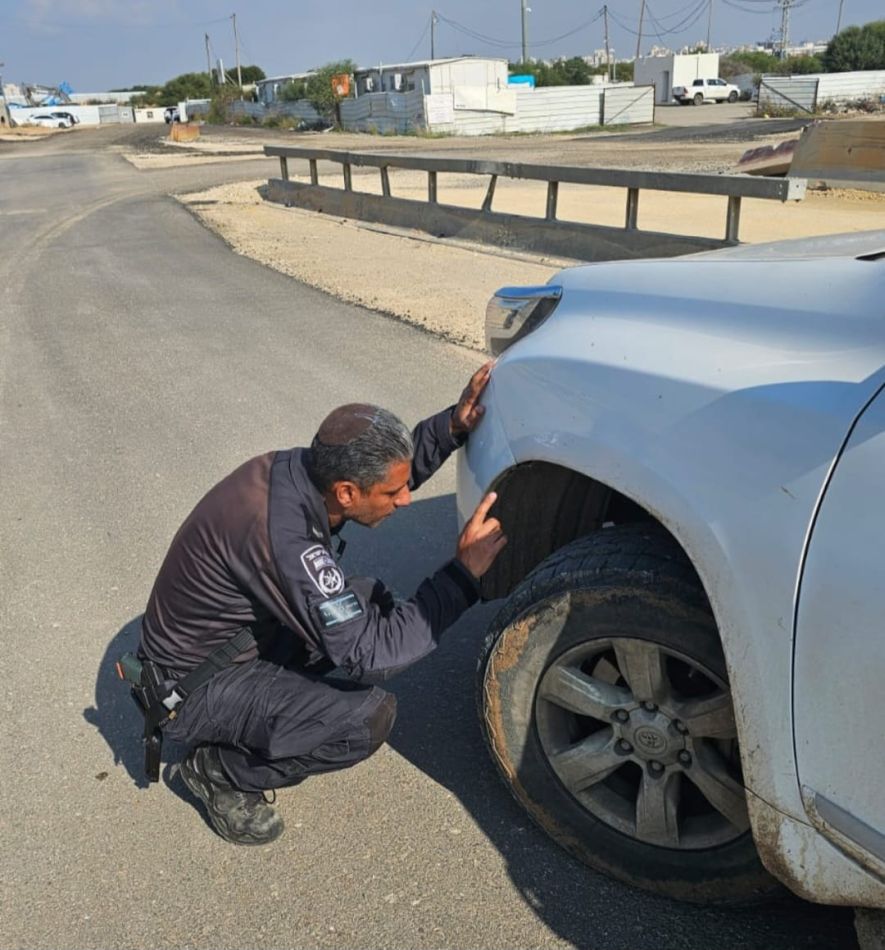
(274, 725)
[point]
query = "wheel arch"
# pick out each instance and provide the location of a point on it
(543, 506)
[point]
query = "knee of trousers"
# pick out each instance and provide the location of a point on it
(380, 722)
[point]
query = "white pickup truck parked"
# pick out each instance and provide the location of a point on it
(701, 90)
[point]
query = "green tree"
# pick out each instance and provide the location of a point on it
(561, 72)
(251, 74)
(802, 65)
(220, 104)
(623, 71)
(318, 87)
(186, 86)
(576, 71)
(857, 48)
(294, 90)
(734, 64)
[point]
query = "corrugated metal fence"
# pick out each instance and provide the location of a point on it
(845, 87)
(809, 93)
(384, 112)
(301, 109)
(555, 109)
(551, 109)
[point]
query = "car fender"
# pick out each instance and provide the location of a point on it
(717, 425)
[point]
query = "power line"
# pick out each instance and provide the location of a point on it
(427, 26)
(503, 44)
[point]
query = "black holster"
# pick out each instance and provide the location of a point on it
(155, 701)
(159, 700)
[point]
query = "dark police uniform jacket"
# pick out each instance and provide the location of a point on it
(257, 551)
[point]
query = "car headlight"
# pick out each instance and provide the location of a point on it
(515, 311)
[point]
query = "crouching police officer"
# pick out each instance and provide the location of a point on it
(252, 566)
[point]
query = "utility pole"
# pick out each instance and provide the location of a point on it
(709, 23)
(208, 60)
(785, 26)
(237, 49)
(434, 19)
(525, 54)
(608, 59)
(839, 19)
(639, 35)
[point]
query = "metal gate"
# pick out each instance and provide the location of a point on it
(108, 114)
(623, 105)
(788, 92)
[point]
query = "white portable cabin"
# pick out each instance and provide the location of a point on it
(676, 69)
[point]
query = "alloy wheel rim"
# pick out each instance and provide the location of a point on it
(643, 737)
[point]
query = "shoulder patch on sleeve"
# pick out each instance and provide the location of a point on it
(339, 609)
(322, 570)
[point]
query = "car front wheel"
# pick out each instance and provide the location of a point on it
(732, 96)
(698, 99)
(605, 702)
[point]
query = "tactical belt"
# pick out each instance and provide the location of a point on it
(158, 700)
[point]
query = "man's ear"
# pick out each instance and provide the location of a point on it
(347, 494)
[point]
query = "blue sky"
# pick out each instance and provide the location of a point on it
(101, 44)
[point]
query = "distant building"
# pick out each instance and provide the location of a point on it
(432, 76)
(665, 72)
(268, 90)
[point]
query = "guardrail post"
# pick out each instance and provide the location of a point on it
(733, 219)
(385, 181)
(552, 197)
(487, 201)
(431, 187)
(348, 183)
(314, 177)
(632, 209)
(284, 167)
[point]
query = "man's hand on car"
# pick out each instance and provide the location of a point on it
(482, 539)
(468, 412)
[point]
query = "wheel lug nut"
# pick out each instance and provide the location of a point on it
(680, 726)
(685, 758)
(656, 767)
(625, 746)
(650, 707)
(622, 715)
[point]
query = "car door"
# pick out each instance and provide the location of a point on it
(839, 669)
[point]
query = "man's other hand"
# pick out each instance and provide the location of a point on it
(468, 412)
(482, 539)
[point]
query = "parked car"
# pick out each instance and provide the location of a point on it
(682, 684)
(171, 114)
(69, 116)
(48, 121)
(706, 90)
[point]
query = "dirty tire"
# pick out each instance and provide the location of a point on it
(698, 99)
(732, 96)
(629, 580)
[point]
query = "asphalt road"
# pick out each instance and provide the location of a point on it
(141, 360)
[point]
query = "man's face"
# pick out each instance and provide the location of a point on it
(371, 506)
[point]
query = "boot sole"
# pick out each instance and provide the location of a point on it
(202, 790)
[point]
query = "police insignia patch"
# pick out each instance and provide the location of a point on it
(322, 570)
(339, 609)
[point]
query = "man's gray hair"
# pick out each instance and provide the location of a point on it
(358, 443)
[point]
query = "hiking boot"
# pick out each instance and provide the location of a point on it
(239, 817)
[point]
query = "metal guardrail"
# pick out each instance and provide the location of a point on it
(734, 187)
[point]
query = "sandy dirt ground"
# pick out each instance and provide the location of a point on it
(443, 286)
(25, 132)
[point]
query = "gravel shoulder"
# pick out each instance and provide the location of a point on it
(443, 285)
